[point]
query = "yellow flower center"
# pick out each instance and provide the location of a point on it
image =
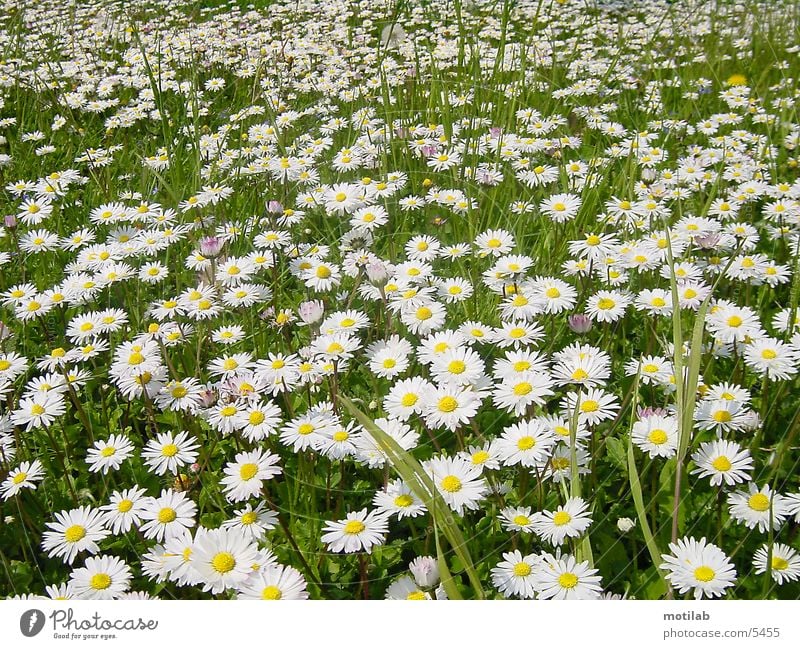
(248, 471)
(271, 592)
(409, 400)
(521, 389)
(20, 477)
(124, 506)
(354, 527)
(305, 429)
(447, 404)
(722, 463)
(522, 569)
(456, 367)
(561, 518)
(526, 443)
(178, 392)
(568, 580)
(658, 436)
(100, 581)
(169, 450)
(223, 562)
(779, 563)
(704, 574)
(167, 515)
(590, 406)
(424, 313)
(256, 418)
(108, 451)
(403, 500)
(521, 520)
(451, 484)
(74, 533)
(758, 502)
(606, 303)
(37, 410)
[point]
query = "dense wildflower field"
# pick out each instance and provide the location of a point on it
(405, 300)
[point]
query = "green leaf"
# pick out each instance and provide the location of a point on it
(616, 453)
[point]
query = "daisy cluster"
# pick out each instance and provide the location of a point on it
(555, 281)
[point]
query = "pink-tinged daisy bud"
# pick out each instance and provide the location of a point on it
(495, 131)
(428, 151)
(195, 468)
(311, 311)
(210, 247)
(207, 398)
(425, 571)
(10, 221)
(274, 207)
(376, 272)
(647, 411)
(579, 323)
(5, 332)
(708, 241)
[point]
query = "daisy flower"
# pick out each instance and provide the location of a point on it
(253, 522)
(657, 436)
(25, 476)
(527, 443)
(517, 519)
(449, 407)
(74, 531)
(700, 567)
(516, 394)
(357, 532)
(459, 483)
(245, 476)
(756, 507)
(785, 562)
(405, 588)
(516, 575)
(722, 461)
(568, 521)
(39, 411)
(109, 454)
(103, 577)
(593, 407)
(169, 452)
(398, 499)
(274, 582)
(124, 510)
(565, 578)
(168, 515)
(223, 558)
